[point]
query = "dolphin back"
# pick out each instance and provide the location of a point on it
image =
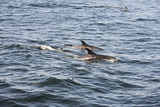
(90, 52)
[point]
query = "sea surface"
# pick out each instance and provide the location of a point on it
(31, 77)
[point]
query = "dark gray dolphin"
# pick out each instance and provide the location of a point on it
(85, 45)
(92, 57)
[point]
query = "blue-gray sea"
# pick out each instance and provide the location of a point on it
(31, 77)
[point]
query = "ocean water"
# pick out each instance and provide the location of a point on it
(30, 77)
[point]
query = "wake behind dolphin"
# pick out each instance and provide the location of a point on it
(46, 47)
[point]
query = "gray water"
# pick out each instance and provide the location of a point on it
(30, 77)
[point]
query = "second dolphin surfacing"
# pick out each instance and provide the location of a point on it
(93, 57)
(85, 45)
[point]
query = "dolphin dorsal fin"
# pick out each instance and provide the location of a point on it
(84, 43)
(90, 52)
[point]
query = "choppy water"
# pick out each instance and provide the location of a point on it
(30, 77)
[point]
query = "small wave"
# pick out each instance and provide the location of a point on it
(36, 41)
(73, 6)
(2, 20)
(107, 7)
(100, 24)
(41, 5)
(142, 40)
(157, 80)
(44, 5)
(30, 29)
(55, 5)
(7, 102)
(4, 84)
(140, 34)
(11, 46)
(140, 62)
(34, 97)
(142, 19)
(25, 100)
(60, 82)
(18, 69)
(13, 7)
(128, 85)
(135, 61)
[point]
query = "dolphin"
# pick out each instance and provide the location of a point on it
(85, 45)
(93, 57)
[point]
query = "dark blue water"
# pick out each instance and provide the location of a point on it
(30, 77)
